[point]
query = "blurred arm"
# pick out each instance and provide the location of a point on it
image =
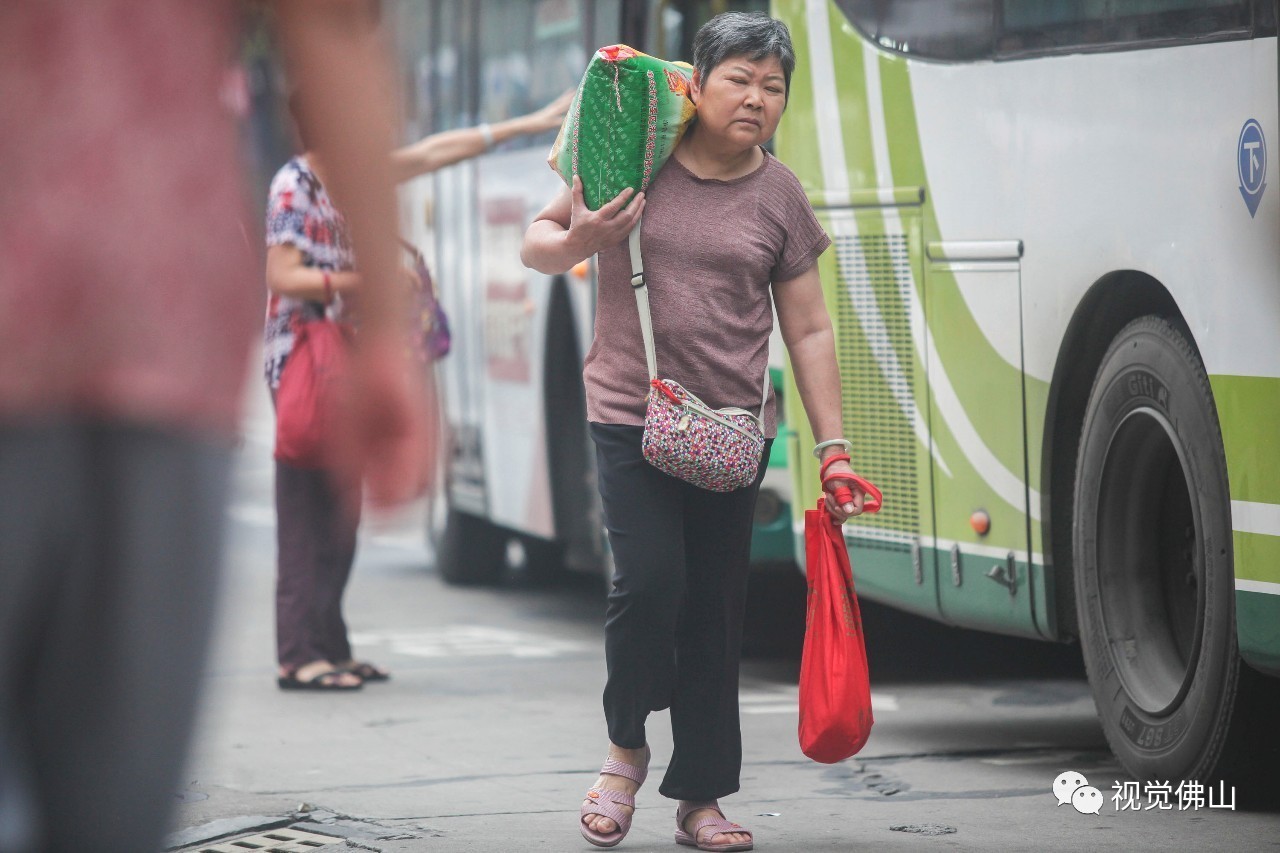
(453, 146)
(334, 51)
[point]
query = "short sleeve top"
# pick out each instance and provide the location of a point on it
(712, 250)
(300, 213)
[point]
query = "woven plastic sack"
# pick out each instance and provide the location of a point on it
(630, 112)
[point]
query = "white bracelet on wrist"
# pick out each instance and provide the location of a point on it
(486, 133)
(823, 445)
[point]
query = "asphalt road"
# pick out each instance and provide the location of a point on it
(491, 729)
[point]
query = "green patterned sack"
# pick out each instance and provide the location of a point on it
(630, 111)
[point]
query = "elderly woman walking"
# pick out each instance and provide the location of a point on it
(725, 227)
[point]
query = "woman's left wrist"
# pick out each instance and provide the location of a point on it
(824, 450)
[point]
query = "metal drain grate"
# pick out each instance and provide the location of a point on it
(275, 841)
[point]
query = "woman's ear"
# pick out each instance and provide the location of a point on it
(695, 87)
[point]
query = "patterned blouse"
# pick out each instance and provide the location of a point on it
(300, 214)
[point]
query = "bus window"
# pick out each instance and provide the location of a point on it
(931, 29)
(453, 60)
(558, 52)
(672, 24)
(532, 52)
(606, 23)
(1036, 25)
(416, 36)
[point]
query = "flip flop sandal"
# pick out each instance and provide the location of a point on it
(606, 803)
(690, 839)
(315, 682)
(367, 671)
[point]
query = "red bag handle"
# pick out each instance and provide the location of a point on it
(873, 499)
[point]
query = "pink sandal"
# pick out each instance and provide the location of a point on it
(690, 839)
(605, 803)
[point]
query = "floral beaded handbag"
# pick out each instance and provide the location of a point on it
(714, 449)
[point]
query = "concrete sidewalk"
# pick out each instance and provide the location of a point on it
(491, 730)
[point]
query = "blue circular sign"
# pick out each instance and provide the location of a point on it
(1251, 164)
(1251, 159)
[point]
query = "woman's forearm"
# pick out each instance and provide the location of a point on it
(548, 248)
(308, 283)
(817, 374)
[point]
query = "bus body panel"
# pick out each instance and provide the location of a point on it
(515, 309)
(1000, 283)
(1203, 233)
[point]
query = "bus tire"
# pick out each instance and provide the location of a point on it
(1154, 580)
(472, 551)
(543, 560)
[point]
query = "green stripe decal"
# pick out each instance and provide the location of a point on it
(1257, 557)
(1248, 410)
(799, 150)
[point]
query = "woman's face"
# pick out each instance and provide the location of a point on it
(741, 101)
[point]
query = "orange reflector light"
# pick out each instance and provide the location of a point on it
(581, 268)
(980, 522)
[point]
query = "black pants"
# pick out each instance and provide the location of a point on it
(673, 631)
(317, 520)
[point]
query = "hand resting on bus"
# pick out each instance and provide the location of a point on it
(566, 232)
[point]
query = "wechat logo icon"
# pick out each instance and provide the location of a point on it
(1071, 787)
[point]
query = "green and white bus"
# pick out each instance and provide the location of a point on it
(519, 469)
(1056, 290)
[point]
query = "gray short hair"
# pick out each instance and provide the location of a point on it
(754, 35)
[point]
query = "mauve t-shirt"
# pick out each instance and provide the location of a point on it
(711, 250)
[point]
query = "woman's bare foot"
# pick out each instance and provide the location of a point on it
(708, 834)
(326, 672)
(637, 757)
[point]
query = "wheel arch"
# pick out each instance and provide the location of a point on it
(1110, 303)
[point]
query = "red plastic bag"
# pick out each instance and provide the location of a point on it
(835, 690)
(307, 399)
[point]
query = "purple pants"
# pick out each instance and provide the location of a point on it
(316, 522)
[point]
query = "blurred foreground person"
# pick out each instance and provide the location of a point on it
(126, 319)
(311, 273)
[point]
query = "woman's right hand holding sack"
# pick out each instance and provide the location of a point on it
(591, 231)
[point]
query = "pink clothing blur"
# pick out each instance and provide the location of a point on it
(128, 290)
(712, 250)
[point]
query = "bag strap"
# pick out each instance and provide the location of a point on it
(641, 290)
(642, 298)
